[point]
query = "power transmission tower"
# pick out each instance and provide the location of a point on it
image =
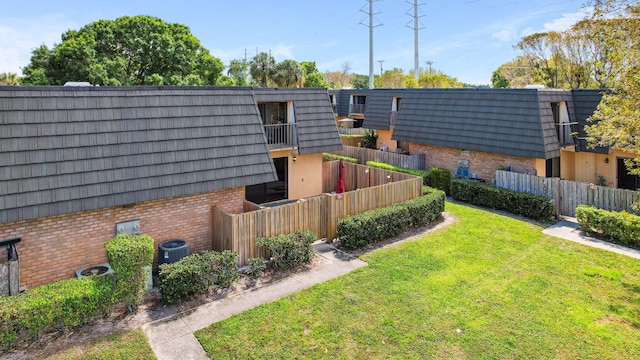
(416, 28)
(380, 61)
(371, 15)
(429, 63)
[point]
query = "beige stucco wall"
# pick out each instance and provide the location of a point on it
(384, 139)
(587, 167)
(305, 173)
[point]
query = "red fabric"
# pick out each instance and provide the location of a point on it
(340, 186)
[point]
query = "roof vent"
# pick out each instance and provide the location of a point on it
(534, 86)
(77, 83)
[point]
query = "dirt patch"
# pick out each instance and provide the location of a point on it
(608, 319)
(153, 308)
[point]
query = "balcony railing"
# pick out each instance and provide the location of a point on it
(356, 108)
(281, 135)
(393, 117)
(335, 108)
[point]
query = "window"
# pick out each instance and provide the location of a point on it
(273, 113)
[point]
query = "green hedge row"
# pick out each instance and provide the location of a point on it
(482, 194)
(289, 250)
(426, 179)
(618, 227)
(332, 157)
(441, 179)
(376, 225)
(194, 274)
(62, 304)
(73, 302)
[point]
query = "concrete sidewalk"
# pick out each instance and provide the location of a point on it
(172, 338)
(568, 229)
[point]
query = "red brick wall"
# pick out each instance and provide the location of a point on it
(53, 247)
(483, 164)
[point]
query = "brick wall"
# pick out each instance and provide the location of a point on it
(53, 247)
(483, 164)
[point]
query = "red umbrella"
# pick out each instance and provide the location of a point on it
(340, 186)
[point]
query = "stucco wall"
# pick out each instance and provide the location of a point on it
(384, 139)
(305, 173)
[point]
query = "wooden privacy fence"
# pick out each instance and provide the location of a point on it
(567, 195)
(415, 161)
(320, 214)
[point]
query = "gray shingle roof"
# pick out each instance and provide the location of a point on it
(315, 122)
(585, 103)
(378, 108)
(343, 98)
(505, 121)
(74, 149)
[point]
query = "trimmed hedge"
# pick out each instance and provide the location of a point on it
(129, 255)
(332, 157)
(441, 179)
(376, 225)
(289, 250)
(618, 227)
(424, 174)
(531, 206)
(194, 274)
(63, 304)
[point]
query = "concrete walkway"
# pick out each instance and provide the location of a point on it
(172, 338)
(568, 229)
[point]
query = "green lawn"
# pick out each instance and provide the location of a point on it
(130, 345)
(488, 286)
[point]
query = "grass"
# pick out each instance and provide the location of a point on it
(488, 286)
(127, 345)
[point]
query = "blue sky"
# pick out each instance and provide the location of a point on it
(467, 39)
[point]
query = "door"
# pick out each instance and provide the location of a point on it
(625, 180)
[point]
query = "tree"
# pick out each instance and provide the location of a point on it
(238, 72)
(9, 79)
(393, 78)
(312, 77)
(617, 118)
(498, 80)
(438, 79)
(337, 79)
(359, 81)
(261, 68)
(288, 73)
(135, 50)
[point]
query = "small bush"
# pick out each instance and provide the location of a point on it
(129, 255)
(424, 174)
(369, 139)
(376, 225)
(195, 274)
(256, 267)
(618, 227)
(65, 303)
(531, 206)
(289, 250)
(441, 179)
(332, 157)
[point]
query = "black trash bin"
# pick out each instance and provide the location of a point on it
(171, 251)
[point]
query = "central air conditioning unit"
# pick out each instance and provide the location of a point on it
(99, 270)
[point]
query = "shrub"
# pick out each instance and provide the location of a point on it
(528, 205)
(375, 225)
(129, 255)
(256, 267)
(195, 274)
(64, 303)
(441, 179)
(332, 157)
(289, 250)
(369, 139)
(618, 227)
(424, 174)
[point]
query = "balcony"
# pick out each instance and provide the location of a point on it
(356, 109)
(335, 108)
(281, 136)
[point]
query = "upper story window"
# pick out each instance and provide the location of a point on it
(273, 113)
(564, 128)
(357, 104)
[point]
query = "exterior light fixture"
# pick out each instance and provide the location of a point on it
(295, 158)
(606, 160)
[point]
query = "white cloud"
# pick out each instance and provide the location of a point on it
(566, 21)
(507, 34)
(18, 37)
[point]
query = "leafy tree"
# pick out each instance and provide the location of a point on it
(262, 68)
(617, 119)
(360, 81)
(288, 73)
(312, 77)
(337, 79)
(438, 80)
(238, 72)
(9, 79)
(136, 50)
(393, 78)
(497, 80)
